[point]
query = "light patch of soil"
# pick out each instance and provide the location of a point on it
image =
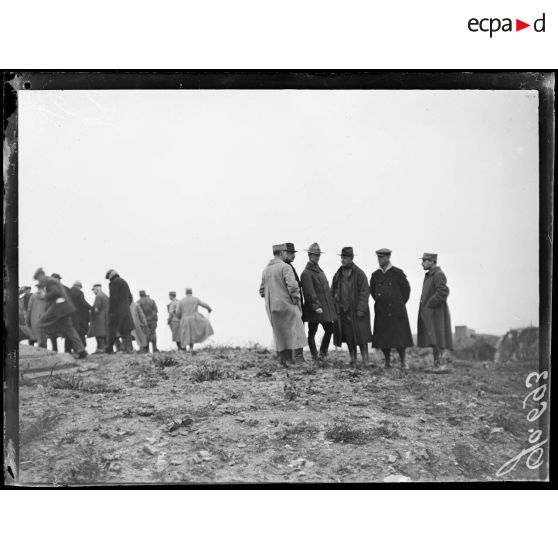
(231, 415)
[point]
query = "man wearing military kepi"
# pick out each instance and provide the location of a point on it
(283, 305)
(350, 291)
(390, 290)
(319, 307)
(434, 323)
(291, 255)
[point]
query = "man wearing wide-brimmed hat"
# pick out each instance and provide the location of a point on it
(351, 291)
(319, 307)
(281, 292)
(434, 323)
(173, 320)
(390, 290)
(120, 316)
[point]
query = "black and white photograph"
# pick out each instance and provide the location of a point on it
(277, 278)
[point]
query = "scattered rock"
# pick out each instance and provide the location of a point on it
(397, 478)
(149, 450)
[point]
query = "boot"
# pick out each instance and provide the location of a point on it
(283, 358)
(299, 355)
(128, 347)
(364, 354)
(387, 357)
(352, 354)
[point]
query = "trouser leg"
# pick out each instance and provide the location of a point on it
(436, 354)
(364, 352)
(312, 329)
(154, 343)
(54, 343)
(109, 347)
(68, 344)
(328, 332)
(387, 357)
(71, 335)
(42, 339)
(402, 356)
(352, 352)
(127, 342)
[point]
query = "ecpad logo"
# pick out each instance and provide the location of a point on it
(492, 25)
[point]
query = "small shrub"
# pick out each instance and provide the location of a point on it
(342, 432)
(207, 372)
(41, 425)
(164, 360)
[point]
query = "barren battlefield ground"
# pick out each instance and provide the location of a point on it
(230, 415)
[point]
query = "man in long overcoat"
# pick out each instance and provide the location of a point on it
(35, 310)
(57, 319)
(173, 320)
(390, 290)
(120, 317)
(434, 323)
(58, 277)
(151, 312)
(291, 255)
(319, 307)
(351, 291)
(81, 315)
(99, 317)
(282, 303)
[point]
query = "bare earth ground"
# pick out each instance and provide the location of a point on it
(231, 415)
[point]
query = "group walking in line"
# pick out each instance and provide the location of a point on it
(343, 311)
(114, 320)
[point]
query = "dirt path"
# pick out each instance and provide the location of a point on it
(233, 416)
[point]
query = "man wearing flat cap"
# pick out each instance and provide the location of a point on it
(151, 312)
(351, 291)
(434, 323)
(390, 290)
(319, 307)
(173, 320)
(81, 315)
(291, 255)
(57, 319)
(281, 293)
(120, 316)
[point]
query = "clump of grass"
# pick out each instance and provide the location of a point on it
(209, 371)
(164, 360)
(85, 466)
(44, 423)
(386, 430)
(81, 384)
(343, 433)
(290, 392)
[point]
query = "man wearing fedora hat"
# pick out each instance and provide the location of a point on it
(434, 323)
(291, 255)
(350, 291)
(281, 293)
(390, 290)
(173, 320)
(151, 312)
(120, 316)
(319, 307)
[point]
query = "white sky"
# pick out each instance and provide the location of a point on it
(191, 188)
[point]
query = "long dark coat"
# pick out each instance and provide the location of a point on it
(150, 310)
(59, 305)
(317, 294)
(391, 291)
(360, 292)
(81, 315)
(99, 316)
(120, 299)
(434, 323)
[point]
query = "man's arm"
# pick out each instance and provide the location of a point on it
(309, 291)
(404, 286)
(363, 294)
(292, 285)
(441, 290)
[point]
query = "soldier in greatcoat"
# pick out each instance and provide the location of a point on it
(151, 312)
(390, 290)
(434, 322)
(319, 307)
(351, 291)
(120, 317)
(281, 293)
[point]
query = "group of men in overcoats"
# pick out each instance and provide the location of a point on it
(343, 312)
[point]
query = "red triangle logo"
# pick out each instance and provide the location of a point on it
(519, 25)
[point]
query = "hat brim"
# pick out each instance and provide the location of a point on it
(315, 253)
(348, 255)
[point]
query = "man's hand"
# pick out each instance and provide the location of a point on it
(319, 311)
(360, 314)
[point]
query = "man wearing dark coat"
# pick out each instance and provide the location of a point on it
(434, 323)
(67, 343)
(319, 307)
(150, 310)
(81, 315)
(99, 317)
(350, 290)
(57, 319)
(120, 317)
(291, 255)
(390, 290)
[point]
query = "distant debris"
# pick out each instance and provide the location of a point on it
(519, 345)
(469, 345)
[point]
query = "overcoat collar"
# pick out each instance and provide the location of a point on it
(388, 267)
(313, 267)
(432, 270)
